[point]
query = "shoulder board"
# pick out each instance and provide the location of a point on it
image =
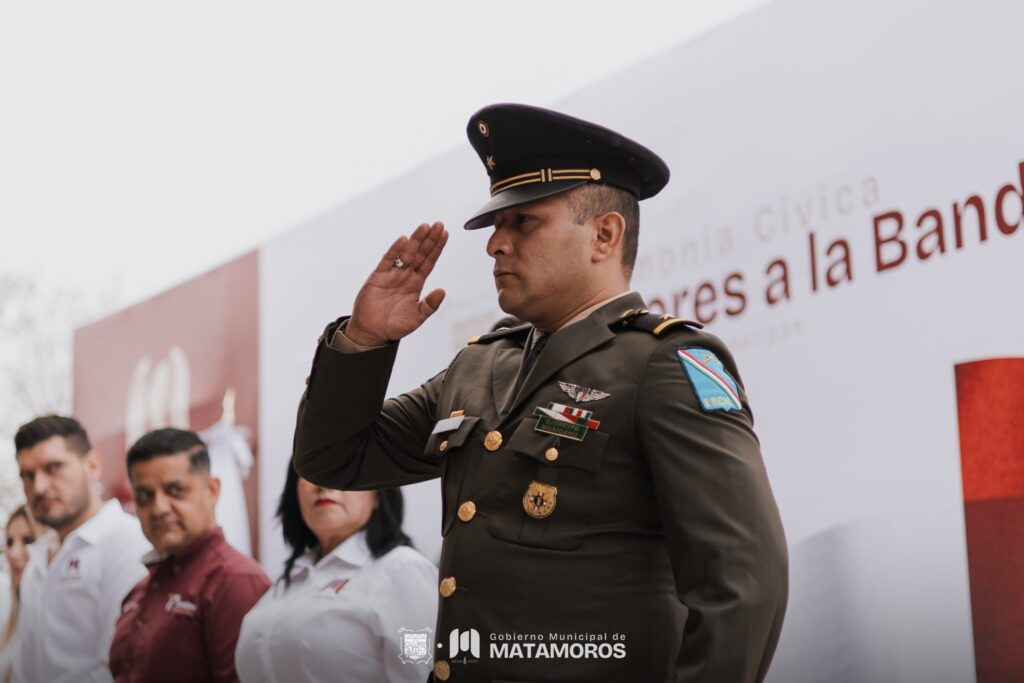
(503, 333)
(658, 324)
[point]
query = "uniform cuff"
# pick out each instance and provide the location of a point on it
(340, 342)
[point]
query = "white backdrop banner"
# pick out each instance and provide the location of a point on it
(845, 211)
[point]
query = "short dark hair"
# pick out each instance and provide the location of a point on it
(383, 530)
(48, 426)
(594, 199)
(170, 441)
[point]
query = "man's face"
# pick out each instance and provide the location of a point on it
(175, 505)
(59, 483)
(540, 259)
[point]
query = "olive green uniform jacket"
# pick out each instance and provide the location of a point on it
(664, 530)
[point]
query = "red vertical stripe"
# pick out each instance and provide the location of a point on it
(990, 407)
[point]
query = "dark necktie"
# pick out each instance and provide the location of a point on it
(539, 340)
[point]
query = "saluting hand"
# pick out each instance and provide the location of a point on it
(388, 307)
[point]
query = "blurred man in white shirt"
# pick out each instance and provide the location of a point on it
(79, 572)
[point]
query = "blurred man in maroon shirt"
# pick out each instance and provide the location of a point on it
(181, 622)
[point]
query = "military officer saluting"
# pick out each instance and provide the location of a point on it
(606, 512)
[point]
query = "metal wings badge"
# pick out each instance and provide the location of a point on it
(582, 394)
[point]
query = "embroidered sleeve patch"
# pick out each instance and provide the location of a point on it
(715, 389)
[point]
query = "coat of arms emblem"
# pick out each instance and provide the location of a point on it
(417, 645)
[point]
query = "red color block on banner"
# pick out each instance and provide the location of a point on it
(990, 403)
(990, 406)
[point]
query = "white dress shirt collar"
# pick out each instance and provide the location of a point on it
(353, 551)
(89, 533)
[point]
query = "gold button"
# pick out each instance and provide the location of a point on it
(448, 586)
(551, 454)
(595, 174)
(443, 447)
(441, 670)
(492, 441)
(467, 511)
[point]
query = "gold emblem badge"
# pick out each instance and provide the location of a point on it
(491, 163)
(540, 499)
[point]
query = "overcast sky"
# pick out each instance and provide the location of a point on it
(143, 143)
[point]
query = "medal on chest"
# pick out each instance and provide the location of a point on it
(540, 499)
(565, 421)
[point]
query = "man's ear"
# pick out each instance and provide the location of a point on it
(93, 462)
(214, 484)
(609, 232)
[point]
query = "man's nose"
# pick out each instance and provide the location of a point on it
(159, 506)
(499, 243)
(40, 484)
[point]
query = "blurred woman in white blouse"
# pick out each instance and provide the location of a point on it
(20, 531)
(351, 590)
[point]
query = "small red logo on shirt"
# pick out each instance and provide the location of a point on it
(337, 584)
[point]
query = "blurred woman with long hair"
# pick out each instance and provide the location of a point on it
(20, 531)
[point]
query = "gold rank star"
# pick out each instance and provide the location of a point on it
(491, 163)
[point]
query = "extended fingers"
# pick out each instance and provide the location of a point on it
(418, 251)
(436, 247)
(426, 244)
(387, 262)
(410, 253)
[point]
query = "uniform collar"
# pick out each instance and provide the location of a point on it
(563, 347)
(585, 313)
(536, 334)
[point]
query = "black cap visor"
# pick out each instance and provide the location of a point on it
(516, 196)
